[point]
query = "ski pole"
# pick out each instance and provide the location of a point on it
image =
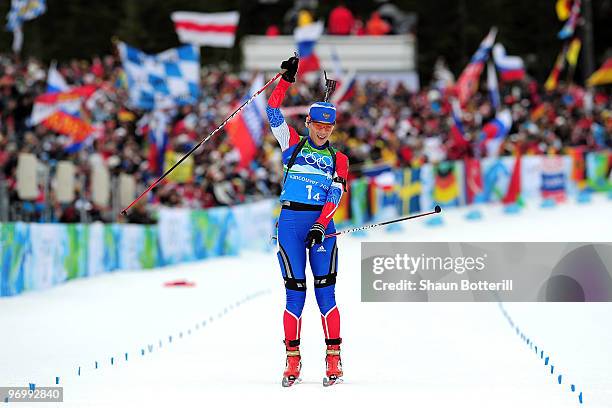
(201, 142)
(436, 210)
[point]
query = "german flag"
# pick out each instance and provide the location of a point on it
(446, 187)
(603, 75)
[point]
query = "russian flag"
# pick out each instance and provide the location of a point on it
(246, 131)
(511, 68)
(498, 128)
(467, 84)
(495, 131)
(306, 38)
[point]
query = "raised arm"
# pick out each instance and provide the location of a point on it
(285, 134)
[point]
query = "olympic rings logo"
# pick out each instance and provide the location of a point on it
(312, 157)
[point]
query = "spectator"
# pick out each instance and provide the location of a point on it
(139, 215)
(272, 31)
(381, 122)
(341, 21)
(377, 26)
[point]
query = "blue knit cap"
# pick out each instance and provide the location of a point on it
(323, 112)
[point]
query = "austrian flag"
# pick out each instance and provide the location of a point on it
(210, 29)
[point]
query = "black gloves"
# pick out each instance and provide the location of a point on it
(315, 235)
(291, 66)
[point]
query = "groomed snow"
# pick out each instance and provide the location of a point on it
(400, 354)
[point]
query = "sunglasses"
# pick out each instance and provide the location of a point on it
(321, 125)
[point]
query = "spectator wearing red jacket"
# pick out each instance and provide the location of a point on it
(341, 21)
(377, 26)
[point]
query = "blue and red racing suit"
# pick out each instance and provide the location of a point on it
(311, 193)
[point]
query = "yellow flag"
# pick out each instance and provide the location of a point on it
(573, 51)
(553, 78)
(184, 172)
(563, 8)
(603, 75)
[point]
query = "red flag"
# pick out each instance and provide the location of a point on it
(513, 195)
(240, 138)
(473, 179)
(467, 84)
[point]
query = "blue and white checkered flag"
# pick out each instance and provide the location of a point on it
(167, 79)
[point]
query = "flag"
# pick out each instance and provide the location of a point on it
(467, 84)
(457, 131)
(510, 67)
(603, 75)
(553, 178)
(495, 132)
(359, 201)
(21, 11)
(62, 112)
(346, 90)
(473, 181)
(497, 128)
(563, 8)
(158, 140)
(578, 172)
(246, 131)
(345, 87)
(72, 126)
(409, 180)
(306, 38)
(209, 29)
(343, 211)
(570, 25)
(184, 172)
(446, 184)
(163, 80)
(538, 111)
(47, 104)
(598, 168)
(513, 194)
(55, 80)
(553, 79)
(493, 86)
(573, 51)
(383, 196)
(443, 77)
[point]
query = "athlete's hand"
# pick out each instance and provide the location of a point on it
(291, 67)
(315, 235)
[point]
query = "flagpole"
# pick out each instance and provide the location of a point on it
(588, 39)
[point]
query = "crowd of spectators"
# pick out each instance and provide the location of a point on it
(386, 19)
(380, 123)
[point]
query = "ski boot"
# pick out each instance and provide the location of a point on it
(294, 363)
(333, 364)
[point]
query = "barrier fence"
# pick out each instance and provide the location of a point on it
(36, 255)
